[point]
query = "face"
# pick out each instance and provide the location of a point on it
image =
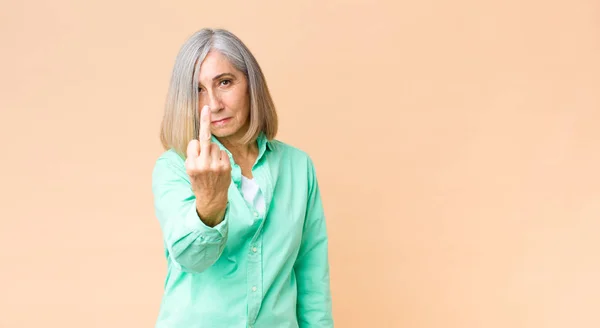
(225, 90)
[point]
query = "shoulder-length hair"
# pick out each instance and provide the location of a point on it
(181, 119)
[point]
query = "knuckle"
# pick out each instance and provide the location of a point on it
(203, 168)
(192, 146)
(189, 166)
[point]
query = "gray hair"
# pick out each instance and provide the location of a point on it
(180, 123)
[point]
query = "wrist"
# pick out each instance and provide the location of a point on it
(211, 215)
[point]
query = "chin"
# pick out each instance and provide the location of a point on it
(230, 130)
(224, 133)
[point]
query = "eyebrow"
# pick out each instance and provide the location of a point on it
(221, 75)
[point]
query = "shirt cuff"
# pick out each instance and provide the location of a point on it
(210, 234)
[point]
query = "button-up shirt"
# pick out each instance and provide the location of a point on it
(251, 270)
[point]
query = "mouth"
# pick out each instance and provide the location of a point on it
(221, 121)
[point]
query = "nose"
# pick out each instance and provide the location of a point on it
(214, 102)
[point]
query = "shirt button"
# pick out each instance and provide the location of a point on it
(254, 249)
(253, 288)
(255, 214)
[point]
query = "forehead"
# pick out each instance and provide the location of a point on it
(214, 64)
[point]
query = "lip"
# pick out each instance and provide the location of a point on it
(221, 121)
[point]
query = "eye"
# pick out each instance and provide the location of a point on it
(225, 82)
(200, 89)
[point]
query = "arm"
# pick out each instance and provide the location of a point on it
(312, 265)
(193, 245)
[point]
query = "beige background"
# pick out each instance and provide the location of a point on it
(456, 143)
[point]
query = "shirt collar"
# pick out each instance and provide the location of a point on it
(263, 142)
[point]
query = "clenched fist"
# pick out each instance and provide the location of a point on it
(210, 173)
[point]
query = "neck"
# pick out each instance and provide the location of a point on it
(240, 152)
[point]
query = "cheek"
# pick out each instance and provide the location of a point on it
(240, 103)
(232, 100)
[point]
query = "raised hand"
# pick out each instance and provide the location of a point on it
(210, 173)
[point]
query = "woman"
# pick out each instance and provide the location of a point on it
(240, 212)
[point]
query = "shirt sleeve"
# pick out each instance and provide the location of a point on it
(190, 244)
(312, 265)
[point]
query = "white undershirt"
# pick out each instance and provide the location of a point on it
(252, 194)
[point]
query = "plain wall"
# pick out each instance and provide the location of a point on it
(456, 145)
